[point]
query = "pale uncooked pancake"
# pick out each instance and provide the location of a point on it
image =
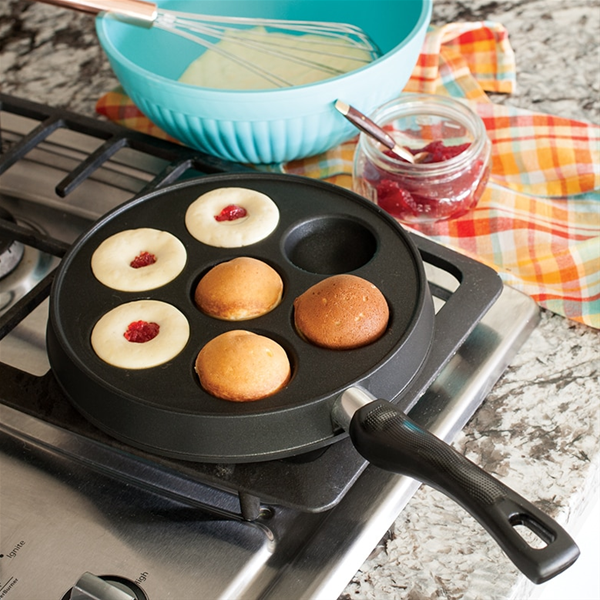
(341, 312)
(240, 289)
(112, 261)
(110, 344)
(214, 69)
(242, 366)
(261, 219)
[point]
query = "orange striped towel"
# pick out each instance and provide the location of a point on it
(538, 222)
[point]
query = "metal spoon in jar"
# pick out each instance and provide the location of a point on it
(373, 130)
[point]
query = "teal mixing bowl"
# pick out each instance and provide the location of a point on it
(264, 126)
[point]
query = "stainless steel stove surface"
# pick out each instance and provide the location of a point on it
(74, 501)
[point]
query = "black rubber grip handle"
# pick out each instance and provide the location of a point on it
(389, 439)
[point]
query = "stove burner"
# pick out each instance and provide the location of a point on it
(10, 258)
(11, 252)
(21, 267)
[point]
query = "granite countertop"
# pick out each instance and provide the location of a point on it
(538, 430)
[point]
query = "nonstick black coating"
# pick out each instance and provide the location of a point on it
(323, 230)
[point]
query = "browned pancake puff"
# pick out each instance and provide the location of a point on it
(341, 312)
(239, 289)
(242, 366)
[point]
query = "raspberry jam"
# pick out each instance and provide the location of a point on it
(438, 152)
(143, 259)
(140, 332)
(231, 213)
(451, 178)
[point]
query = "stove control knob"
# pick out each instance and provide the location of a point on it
(92, 587)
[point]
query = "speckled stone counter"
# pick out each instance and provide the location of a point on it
(538, 431)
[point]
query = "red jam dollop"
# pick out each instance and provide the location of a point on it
(140, 332)
(231, 213)
(143, 259)
(419, 197)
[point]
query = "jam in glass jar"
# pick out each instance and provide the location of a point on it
(455, 163)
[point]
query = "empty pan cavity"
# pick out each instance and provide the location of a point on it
(330, 245)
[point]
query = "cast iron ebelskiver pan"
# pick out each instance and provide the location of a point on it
(323, 230)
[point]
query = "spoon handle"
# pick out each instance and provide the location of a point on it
(371, 128)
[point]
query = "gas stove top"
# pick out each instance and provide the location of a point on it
(162, 528)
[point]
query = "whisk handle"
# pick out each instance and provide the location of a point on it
(134, 10)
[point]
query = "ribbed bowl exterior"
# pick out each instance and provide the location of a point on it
(255, 142)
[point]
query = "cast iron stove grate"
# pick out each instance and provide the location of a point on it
(313, 482)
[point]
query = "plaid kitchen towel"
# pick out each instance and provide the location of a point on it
(538, 222)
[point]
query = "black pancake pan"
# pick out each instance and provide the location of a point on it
(323, 230)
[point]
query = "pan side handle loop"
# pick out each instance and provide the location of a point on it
(389, 439)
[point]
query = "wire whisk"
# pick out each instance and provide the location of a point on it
(333, 41)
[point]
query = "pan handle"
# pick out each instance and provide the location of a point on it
(389, 439)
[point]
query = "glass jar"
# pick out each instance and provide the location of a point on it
(455, 170)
